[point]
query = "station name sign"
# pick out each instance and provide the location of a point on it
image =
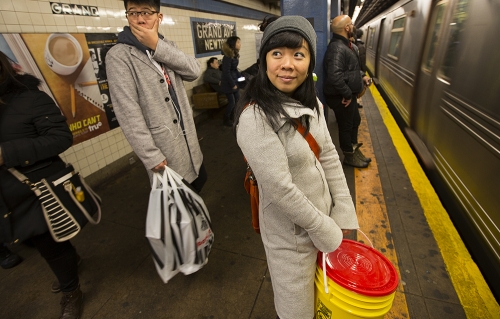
(74, 9)
(209, 35)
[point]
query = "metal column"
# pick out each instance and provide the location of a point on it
(319, 13)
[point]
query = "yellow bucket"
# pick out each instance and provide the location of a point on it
(360, 282)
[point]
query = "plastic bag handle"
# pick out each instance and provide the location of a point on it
(157, 177)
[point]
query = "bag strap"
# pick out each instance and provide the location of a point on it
(23, 179)
(17, 174)
(309, 138)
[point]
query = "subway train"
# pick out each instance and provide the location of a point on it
(436, 64)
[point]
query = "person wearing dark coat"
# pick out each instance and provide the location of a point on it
(361, 53)
(344, 80)
(213, 75)
(32, 134)
(230, 75)
(362, 50)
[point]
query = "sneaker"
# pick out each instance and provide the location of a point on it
(359, 154)
(10, 260)
(72, 304)
(352, 160)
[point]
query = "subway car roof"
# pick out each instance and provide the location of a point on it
(370, 9)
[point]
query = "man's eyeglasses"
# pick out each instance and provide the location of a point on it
(144, 14)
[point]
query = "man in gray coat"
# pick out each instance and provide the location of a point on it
(145, 73)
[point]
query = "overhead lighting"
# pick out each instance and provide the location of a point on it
(250, 27)
(356, 13)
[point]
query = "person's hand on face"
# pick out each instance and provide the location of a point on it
(145, 35)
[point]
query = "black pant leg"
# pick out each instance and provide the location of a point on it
(200, 180)
(356, 120)
(345, 121)
(61, 258)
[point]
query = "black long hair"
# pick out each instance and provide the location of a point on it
(267, 21)
(151, 3)
(270, 100)
(7, 72)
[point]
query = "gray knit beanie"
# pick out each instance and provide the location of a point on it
(292, 23)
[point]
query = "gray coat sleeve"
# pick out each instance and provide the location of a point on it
(177, 61)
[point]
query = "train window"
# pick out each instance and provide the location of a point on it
(432, 40)
(371, 36)
(457, 26)
(398, 28)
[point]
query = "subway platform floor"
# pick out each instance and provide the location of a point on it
(119, 279)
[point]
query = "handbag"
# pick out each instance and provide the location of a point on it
(67, 202)
(178, 226)
(252, 187)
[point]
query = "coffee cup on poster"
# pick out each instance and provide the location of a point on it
(63, 54)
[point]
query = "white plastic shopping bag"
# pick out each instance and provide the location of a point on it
(158, 229)
(177, 226)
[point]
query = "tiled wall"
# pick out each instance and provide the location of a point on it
(29, 16)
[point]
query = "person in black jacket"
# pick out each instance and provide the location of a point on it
(213, 75)
(344, 80)
(230, 75)
(32, 134)
(362, 50)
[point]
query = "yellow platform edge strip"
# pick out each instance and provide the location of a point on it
(474, 294)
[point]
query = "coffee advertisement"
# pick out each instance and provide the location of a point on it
(73, 74)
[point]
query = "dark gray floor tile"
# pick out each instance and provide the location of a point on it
(444, 310)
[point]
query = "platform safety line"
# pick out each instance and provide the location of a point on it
(474, 294)
(373, 218)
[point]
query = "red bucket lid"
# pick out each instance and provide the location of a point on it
(361, 269)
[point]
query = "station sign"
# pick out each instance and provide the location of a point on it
(209, 35)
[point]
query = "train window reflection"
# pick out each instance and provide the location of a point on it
(398, 28)
(371, 36)
(432, 40)
(457, 26)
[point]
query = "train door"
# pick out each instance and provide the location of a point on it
(429, 86)
(379, 47)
